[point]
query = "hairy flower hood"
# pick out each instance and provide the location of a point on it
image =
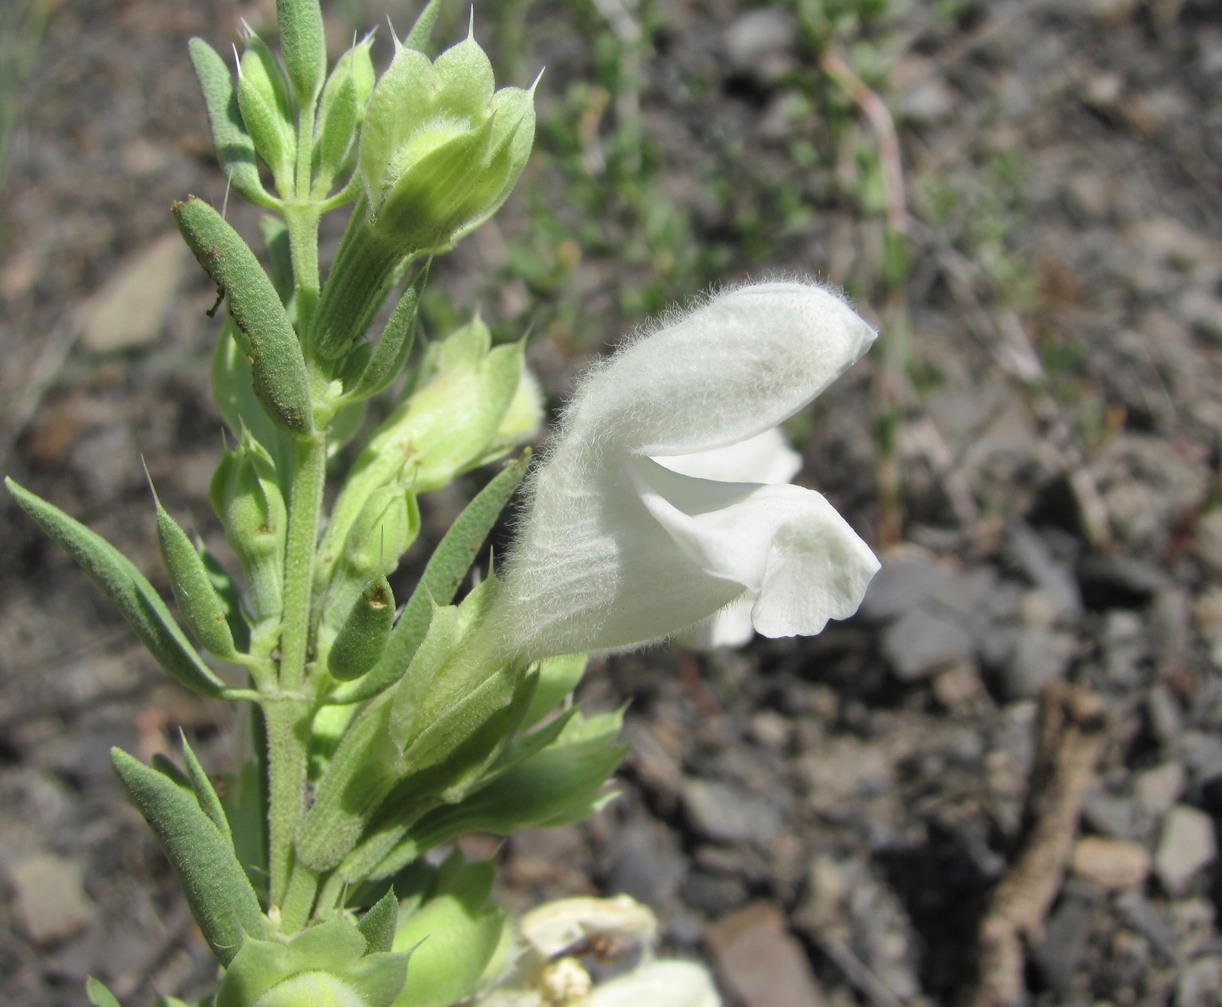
(663, 504)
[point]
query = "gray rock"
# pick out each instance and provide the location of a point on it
(1046, 572)
(727, 813)
(1200, 983)
(921, 642)
(1066, 935)
(903, 583)
(1159, 788)
(1163, 714)
(1041, 656)
(1185, 846)
(50, 900)
(646, 863)
(1112, 815)
(759, 43)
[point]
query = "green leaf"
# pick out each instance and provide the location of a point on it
(394, 346)
(216, 888)
(277, 366)
(365, 768)
(200, 606)
(422, 30)
(442, 577)
(378, 925)
(128, 589)
(558, 676)
(559, 784)
(231, 597)
(234, 147)
(303, 44)
(98, 994)
(205, 794)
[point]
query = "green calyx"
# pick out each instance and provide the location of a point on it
(441, 148)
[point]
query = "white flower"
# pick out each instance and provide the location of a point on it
(663, 503)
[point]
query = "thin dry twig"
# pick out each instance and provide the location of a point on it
(1073, 731)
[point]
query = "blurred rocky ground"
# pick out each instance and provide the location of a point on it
(1002, 781)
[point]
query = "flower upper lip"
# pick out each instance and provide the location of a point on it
(663, 501)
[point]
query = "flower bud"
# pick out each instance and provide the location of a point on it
(363, 634)
(267, 111)
(247, 498)
(341, 110)
(441, 149)
(328, 963)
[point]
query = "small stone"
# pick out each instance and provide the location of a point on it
(1065, 939)
(1112, 864)
(908, 576)
(921, 642)
(1041, 656)
(1159, 787)
(1054, 578)
(759, 43)
(646, 864)
(726, 813)
(1186, 845)
(759, 960)
(1163, 713)
(1200, 983)
(1114, 816)
(131, 308)
(51, 904)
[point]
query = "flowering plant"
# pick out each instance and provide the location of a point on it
(384, 728)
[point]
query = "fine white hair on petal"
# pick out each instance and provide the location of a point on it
(662, 503)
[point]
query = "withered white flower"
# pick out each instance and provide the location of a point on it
(663, 503)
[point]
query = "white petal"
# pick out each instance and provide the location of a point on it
(592, 570)
(764, 458)
(659, 984)
(729, 370)
(728, 627)
(784, 545)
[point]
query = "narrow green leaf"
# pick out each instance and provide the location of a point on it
(234, 148)
(204, 792)
(442, 577)
(198, 603)
(217, 890)
(378, 925)
(394, 346)
(127, 588)
(231, 598)
(98, 994)
(422, 30)
(277, 366)
(365, 768)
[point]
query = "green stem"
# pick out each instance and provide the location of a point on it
(298, 898)
(361, 276)
(288, 728)
(288, 715)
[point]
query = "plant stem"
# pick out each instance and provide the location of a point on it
(288, 713)
(288, 724)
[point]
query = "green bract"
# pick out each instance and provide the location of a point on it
(441, 149)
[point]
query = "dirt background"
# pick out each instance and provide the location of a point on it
(1002, 781)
